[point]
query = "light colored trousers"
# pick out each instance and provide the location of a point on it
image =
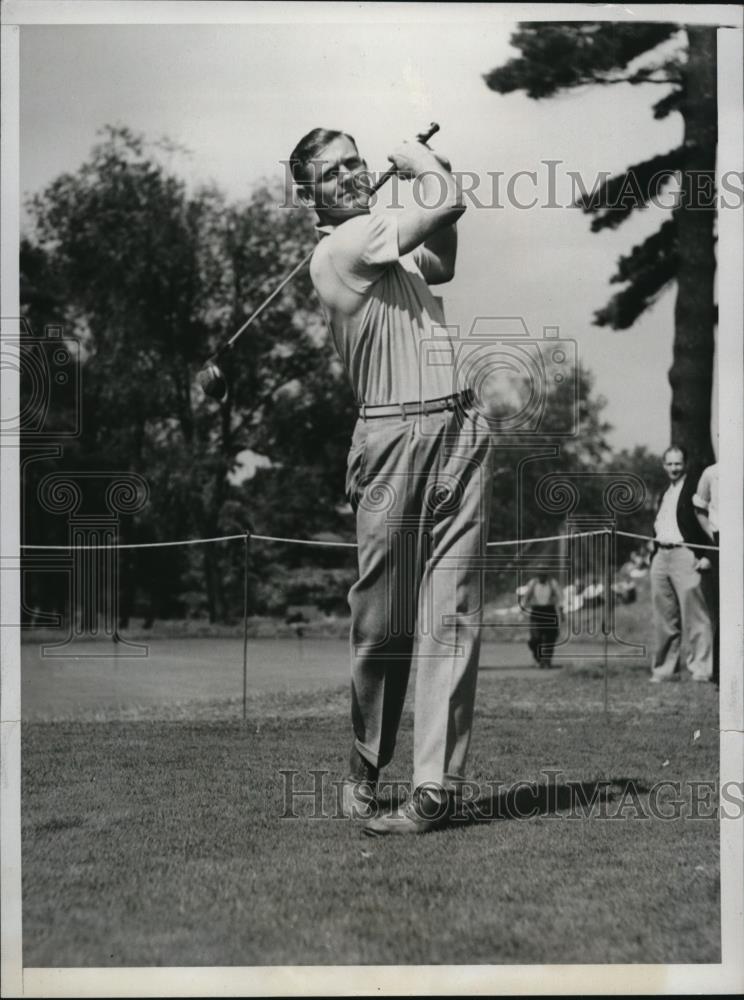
(421, 489)
(680, 611)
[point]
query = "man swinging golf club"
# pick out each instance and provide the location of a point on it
(418, 474)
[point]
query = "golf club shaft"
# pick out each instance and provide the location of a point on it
(423, 137)
(257, 312)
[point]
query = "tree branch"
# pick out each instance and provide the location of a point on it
(615, 199)
(666, 81)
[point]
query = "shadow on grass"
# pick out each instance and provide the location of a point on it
(575, 799)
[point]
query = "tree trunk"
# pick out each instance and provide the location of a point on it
(691, 374)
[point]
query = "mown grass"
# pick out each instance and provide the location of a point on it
(159, 841)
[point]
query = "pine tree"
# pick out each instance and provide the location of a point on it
(558, 57)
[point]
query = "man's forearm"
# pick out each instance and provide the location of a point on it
(444, 243)
(437, 185)
(703, 521)
(437, 200)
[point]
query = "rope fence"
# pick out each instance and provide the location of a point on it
(686, 545)
(247, 537)
(319, 543)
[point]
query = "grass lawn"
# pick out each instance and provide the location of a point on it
(160, 840)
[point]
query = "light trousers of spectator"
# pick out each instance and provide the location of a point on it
(711, 591)
(421, 488)
(681, 615)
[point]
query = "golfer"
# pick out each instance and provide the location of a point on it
(418, 475)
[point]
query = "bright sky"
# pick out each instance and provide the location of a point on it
(240, 96)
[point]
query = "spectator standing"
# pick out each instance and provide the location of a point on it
(543, 599)
(680, 609)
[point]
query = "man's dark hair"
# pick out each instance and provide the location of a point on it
(308, 149)
(676, 447)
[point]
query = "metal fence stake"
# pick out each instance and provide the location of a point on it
(246, 549)
(609, 595)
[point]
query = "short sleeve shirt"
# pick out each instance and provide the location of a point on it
(706, 495)
(386, 325)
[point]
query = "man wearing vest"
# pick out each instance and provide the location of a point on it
(418, 476)
(681, 614)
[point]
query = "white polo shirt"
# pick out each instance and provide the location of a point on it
(382, 313)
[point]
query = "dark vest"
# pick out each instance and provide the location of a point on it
(687, 521)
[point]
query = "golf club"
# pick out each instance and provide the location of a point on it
(211, 378)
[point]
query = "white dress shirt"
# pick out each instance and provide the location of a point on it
(665, 525)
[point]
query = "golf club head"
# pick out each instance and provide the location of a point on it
(213, 382)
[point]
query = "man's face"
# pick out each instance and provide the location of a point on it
(339, 183)
(674, 465)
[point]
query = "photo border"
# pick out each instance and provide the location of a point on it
(387, 980)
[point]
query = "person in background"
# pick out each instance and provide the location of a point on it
(543, 600)
(705, 502)
(677, 569)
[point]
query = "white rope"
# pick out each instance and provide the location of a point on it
(134, 545)
(340, 545)
(190, 541)
(305, 541)
(648, 538)
(283, 541)
(548, 538)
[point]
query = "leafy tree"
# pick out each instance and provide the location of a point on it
(152, 278)
(648, 467)
(524, 459)
(558, 57)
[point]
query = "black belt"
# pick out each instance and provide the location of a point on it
(460, 400)
(670, 545)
